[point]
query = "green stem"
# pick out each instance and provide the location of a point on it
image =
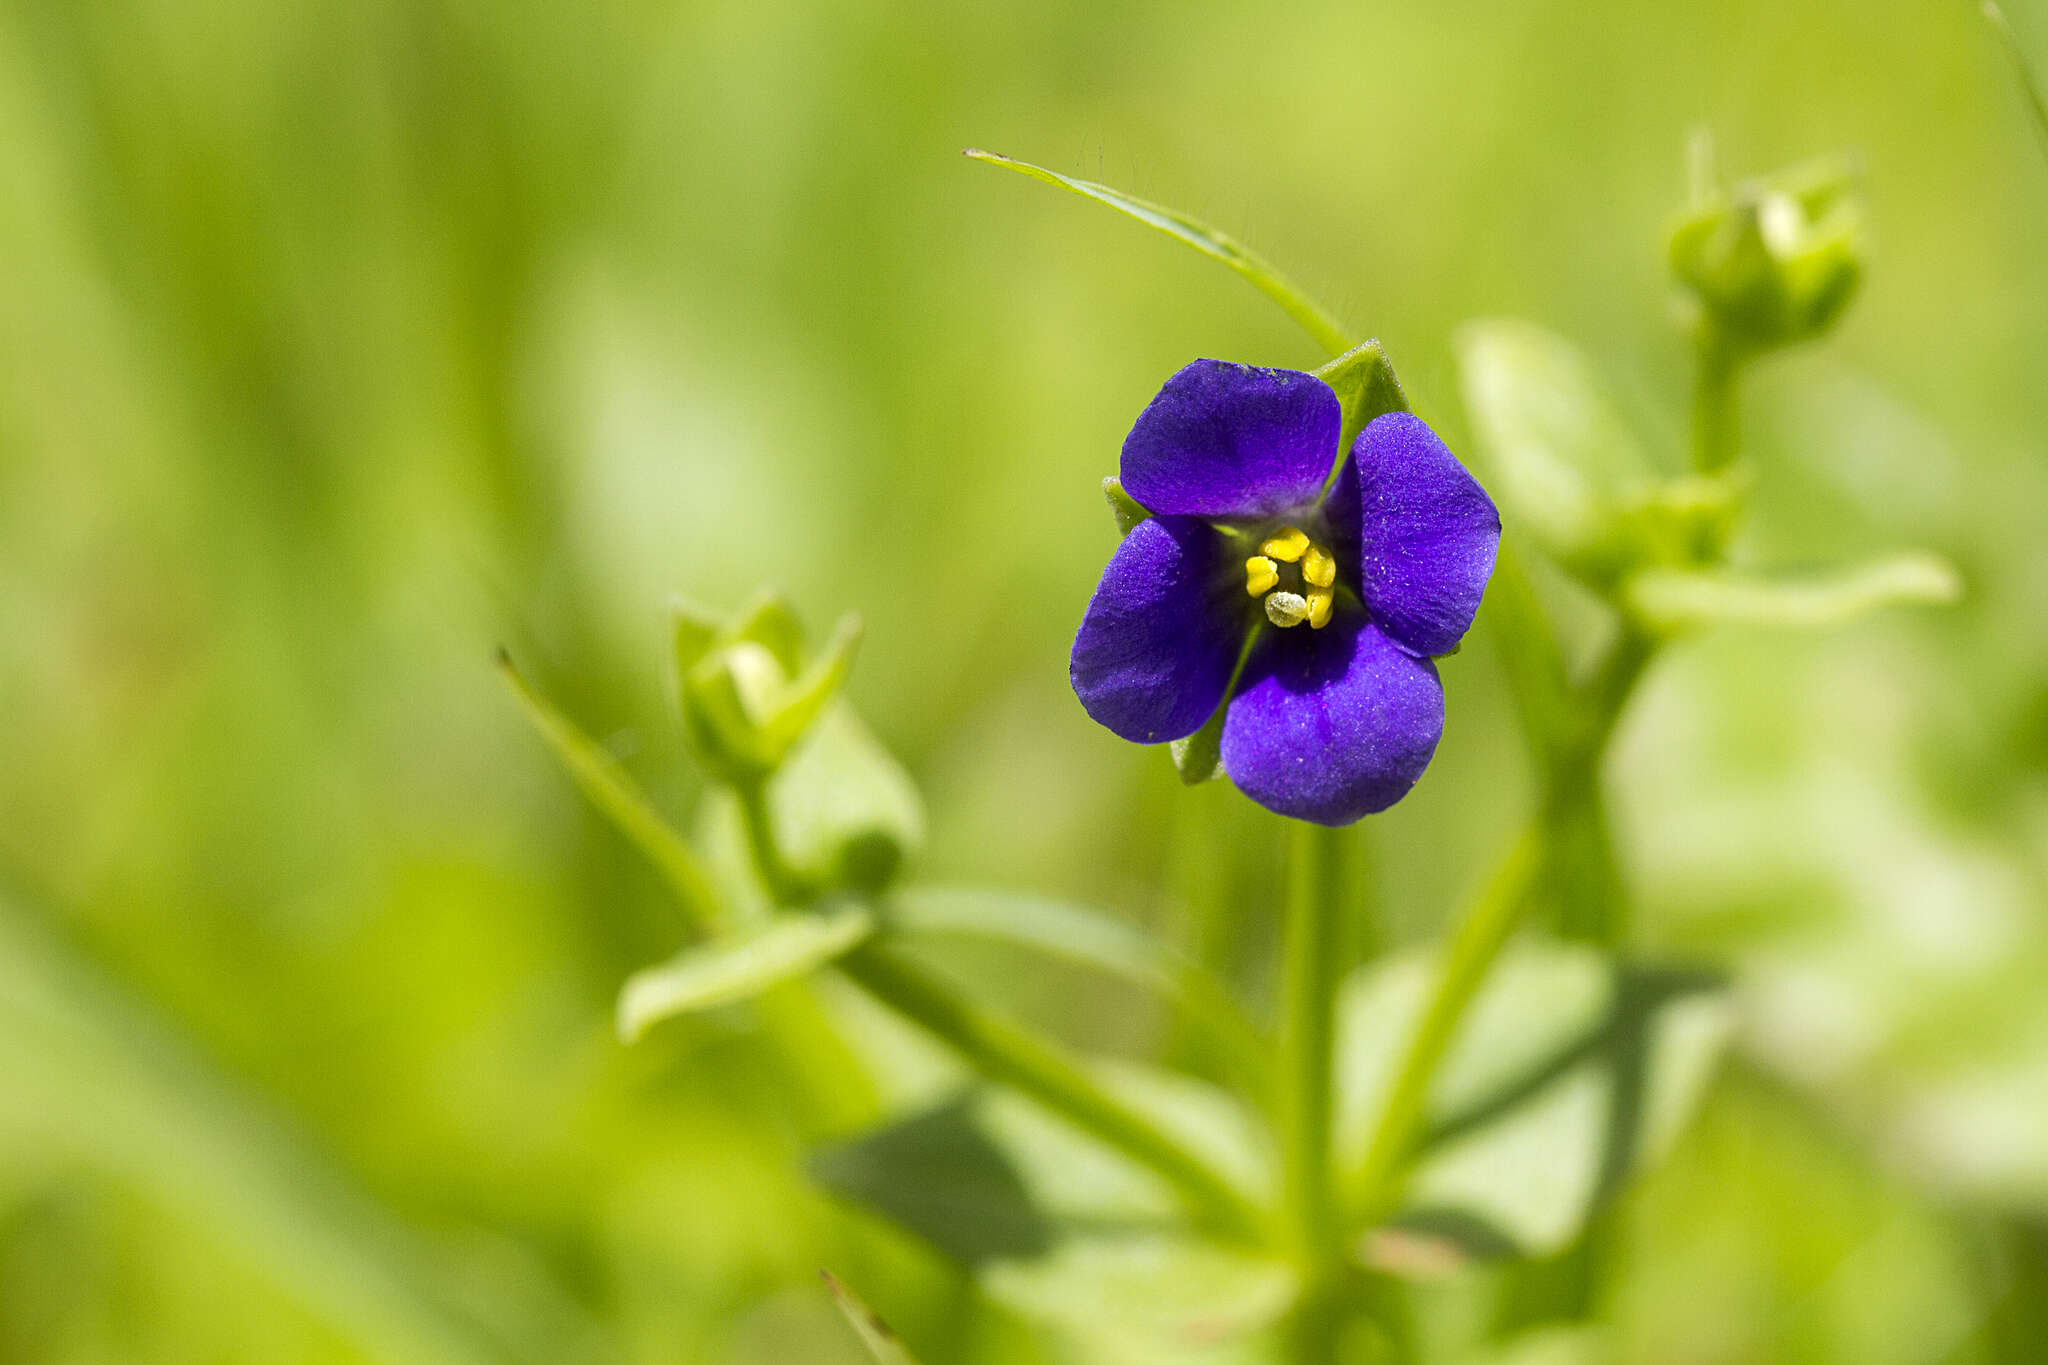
(1580, 870)
(1004, 1052)
(1714, 435)
(1480, 937)
(1314, 965)
(785, 885)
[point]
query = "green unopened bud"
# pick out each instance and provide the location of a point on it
(1772, 261)
(748, 697)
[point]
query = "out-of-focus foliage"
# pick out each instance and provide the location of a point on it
(342, 342)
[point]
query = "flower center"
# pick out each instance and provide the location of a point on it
(1295, 576)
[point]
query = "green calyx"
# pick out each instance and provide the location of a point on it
(748, 692)
(1775, 260)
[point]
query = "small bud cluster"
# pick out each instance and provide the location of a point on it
(1772, 261)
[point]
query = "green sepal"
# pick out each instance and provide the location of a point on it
(1127, 510)
(1363, 380)
(745, 708)
(725, 698)
(729, 970)
(1199, 757)
(799, 705)
(768, 620)
(694, 629)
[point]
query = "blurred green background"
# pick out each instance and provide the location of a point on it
(344, 340)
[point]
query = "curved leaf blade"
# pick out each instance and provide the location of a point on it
(1211, 242)
(731, 970)
(1688, 599)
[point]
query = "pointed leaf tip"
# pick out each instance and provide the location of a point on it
(1260, 273)
(877, 1336)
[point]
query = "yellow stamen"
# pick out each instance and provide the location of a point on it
(1286, 609)
(1318, 568)
(1287, 545)
(1260, 573)
(1319, 602)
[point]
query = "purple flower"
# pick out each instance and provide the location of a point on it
(1344, 575)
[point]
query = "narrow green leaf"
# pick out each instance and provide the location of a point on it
(1127, 510)
(1086, 938)
(2037, 105)
(1555, 455)
(606, 785)
(1216, 245)
(1688, 599)
(877, 1336)
(728, 970)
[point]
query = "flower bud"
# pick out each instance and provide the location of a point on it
(748, 694)
(1773, 261)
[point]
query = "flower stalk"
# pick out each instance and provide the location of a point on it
(1715, 442)
(1314, 967)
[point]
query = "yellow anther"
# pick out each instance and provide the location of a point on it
(1260, 574)
(1286, 609)
(1319, 602)
(1318, 568)
(1287, 545)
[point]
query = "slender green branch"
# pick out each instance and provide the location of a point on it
(1004, 1052)
(785, 885)
(1479, 939)
(1715, 439)
(1262, 274)
(1314, 964)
